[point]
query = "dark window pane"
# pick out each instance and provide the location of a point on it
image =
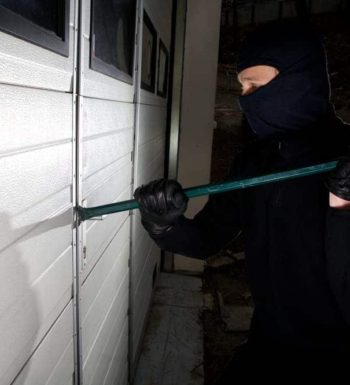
(163, 59)
(45, 13)
(149, 54)
(42, 22)
(113, 35)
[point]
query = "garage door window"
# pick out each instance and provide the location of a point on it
(113, 38)
(42, 22)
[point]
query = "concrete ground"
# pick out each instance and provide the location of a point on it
(172, 352)
(192, 323)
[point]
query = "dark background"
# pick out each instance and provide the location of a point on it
(224, 275)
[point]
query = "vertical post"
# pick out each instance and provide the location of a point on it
(174, 103)
(198, 103)
(77, 230)
(137, 87)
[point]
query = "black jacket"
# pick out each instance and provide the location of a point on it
(297, 248)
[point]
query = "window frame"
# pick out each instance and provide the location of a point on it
(20, 27)
(164, 92)
(148, 22)
(104, 68)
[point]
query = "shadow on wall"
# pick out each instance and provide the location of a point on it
(20, 316)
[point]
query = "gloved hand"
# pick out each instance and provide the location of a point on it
(338, 182)
(162, 202)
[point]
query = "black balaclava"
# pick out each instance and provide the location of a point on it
(299, 96)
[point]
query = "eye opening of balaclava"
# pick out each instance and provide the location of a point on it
(299, 96)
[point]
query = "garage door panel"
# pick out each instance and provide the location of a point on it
(99, 235)
(93, 315)
(153, 120)
(118, 365)
(102, 176)
(98, 360)
(26, 64)
(54, 357)
(102, 117)
(34, 118)
(107, 191)
(142, 294)
(99, 152)
(101, 270)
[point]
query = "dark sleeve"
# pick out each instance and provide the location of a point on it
(338, 257)
(209, 231)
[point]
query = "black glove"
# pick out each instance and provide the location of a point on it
(338, 182)
(162, 202)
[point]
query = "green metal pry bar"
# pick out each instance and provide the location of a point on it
(209, 189)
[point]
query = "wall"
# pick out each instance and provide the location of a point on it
(198, 103)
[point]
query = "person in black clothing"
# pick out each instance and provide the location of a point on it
(297, 232)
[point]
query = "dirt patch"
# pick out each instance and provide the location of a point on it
(219, 344)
